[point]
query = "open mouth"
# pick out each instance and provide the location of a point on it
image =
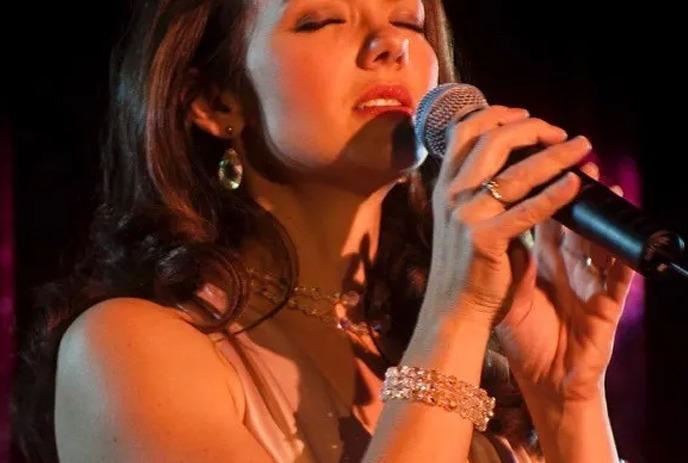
(384, 98)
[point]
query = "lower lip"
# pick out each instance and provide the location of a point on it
(375, 110)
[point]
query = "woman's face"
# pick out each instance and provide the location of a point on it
(309, 81)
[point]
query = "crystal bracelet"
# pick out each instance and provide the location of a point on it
(433, 388)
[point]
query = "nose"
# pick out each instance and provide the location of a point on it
(385, 47)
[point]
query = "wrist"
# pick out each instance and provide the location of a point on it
(451, 345)
(443, 319)
(550, 408)
(574, 431)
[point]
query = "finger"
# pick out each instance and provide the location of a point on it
(490, 152)
(493, 148)
(584, 251)
(535, 210)
(591, 170)
(548, 236)
(619, 281)
(463, 136)
(517, 181)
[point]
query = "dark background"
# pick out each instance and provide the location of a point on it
(613, 73)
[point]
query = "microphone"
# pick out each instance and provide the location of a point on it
(596, 213)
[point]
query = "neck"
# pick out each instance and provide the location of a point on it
(335, 231)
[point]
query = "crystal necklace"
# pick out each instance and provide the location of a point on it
(313, 303)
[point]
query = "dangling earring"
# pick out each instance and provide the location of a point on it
(230, 171)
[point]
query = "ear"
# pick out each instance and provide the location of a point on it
(215, 109)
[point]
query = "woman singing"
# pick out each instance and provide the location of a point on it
(277, 273)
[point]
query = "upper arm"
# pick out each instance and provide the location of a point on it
(135, 382)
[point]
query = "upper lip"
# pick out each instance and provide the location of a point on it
(398, 92)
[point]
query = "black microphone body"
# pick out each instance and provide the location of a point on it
(596, 213)
(614, 223)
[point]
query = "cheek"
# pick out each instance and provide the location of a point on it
(427, 59)
(297, 93)
(299, 90)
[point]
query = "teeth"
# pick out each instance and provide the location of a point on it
(381, 102)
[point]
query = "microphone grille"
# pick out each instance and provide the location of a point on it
(440, 107)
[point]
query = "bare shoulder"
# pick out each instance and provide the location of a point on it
(136, 382)
(140, 334)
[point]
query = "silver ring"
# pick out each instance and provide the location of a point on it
(492, 187)
(593, 268)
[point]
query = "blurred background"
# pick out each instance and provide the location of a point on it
(611, 72)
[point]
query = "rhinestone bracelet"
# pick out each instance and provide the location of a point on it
(433, 388)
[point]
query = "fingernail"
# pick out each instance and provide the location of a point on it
(522, 112)
(571, 177)
(583, 138)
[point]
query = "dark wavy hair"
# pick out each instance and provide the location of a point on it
(165, 225)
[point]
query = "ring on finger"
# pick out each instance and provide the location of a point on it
(492, 187)
(600, 271)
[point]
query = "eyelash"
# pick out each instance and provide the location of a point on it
(415, 27)
(314, 26)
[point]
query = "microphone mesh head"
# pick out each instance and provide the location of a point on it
(439, 108)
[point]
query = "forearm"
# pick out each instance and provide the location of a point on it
(575, 432)
(412, 432)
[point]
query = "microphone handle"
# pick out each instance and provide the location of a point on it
(615, 224)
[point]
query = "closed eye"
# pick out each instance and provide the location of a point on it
(415, 27)
(314, 26)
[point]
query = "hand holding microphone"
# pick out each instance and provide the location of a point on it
(473, 229)
(596, 213)
(555, 318)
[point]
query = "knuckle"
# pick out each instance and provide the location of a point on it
(484, 244)
(543, 126)
(574, 144)
(570, 152)
(514, 174)
(453, 195)
(500, 108)
(446, 198)
(463, 132)
(490, 138)
(538, 122)
(556, 156)
(479, 243)
(460, 216)
(551, 197)
(468, 234)
(530, 212)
